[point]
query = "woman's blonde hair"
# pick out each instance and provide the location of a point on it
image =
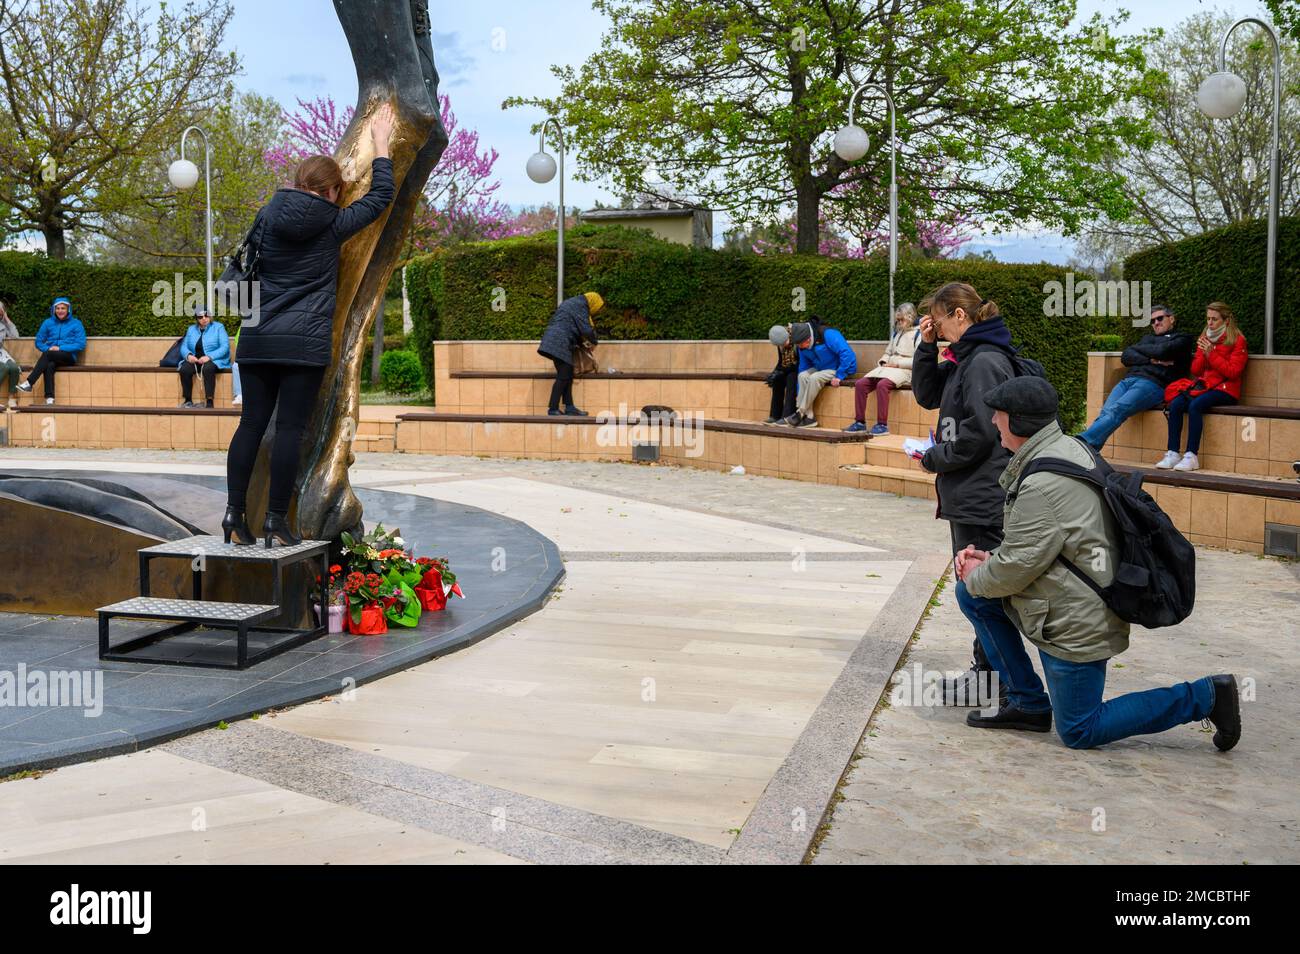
(318, 174)
(1229, 321)
(956, 295)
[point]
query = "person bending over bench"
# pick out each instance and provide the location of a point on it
(824, 358)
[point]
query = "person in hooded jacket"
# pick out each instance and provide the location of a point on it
(569, 326)
(967, 457)
(60, 339)
(284, 349)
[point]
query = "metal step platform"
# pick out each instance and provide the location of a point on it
(208, 633)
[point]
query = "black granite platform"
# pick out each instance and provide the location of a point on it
(145, 704)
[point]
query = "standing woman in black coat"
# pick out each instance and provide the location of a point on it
(968, 457)
(568, 328)
(283, 352)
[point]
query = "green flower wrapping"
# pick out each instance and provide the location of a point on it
(406, 611)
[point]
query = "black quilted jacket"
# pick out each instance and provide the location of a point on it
(298, 270)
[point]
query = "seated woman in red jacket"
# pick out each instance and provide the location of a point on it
(1217, 368)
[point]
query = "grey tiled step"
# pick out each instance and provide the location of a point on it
(155, 607)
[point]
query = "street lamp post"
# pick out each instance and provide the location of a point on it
(541, 169)
(183, 174)
(1222, 95)
(851, 145)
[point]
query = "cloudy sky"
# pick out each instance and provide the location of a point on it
(491, 49)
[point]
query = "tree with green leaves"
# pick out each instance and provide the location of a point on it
(1286, 16)
(87, 88)
(1006, 109)
(153, 223)
(1199, 173)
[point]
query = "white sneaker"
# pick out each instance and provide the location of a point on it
(237, 400)
(1189, 462)
(25, 387)
(1168, 461)
(49, 400)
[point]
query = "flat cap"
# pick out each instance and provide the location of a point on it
(1027, 397)
(800, 331)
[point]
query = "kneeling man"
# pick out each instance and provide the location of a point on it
(1049, 516)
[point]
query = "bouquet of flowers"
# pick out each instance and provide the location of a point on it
(420, 583)
(370, 598)
(436, 583)
(364, 554)
(333, 586)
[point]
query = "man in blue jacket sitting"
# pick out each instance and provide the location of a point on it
(60, 340)
(824, 358)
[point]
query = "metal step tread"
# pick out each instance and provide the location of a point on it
(210, 545)
(157, 607)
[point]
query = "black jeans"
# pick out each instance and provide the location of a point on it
(48, 363)
(288, 391)
(784, 392)
(562, 389)
(209, 372)
(984, 538)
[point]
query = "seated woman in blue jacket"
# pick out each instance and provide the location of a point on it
(204, 351)
(824, 358)
(60, 340)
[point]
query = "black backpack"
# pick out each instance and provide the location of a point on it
(173, 356)
(242, 269)
(1155, 582)
(1021, 367)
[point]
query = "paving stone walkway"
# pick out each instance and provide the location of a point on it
(691, 695)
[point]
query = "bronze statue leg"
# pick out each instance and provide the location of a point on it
(391, 46)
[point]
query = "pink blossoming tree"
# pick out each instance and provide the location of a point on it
(459, 199)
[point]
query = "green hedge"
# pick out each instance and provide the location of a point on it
(109, 300)
(1107, 343)
(400, 373)
(660, 290)
(1227, 265)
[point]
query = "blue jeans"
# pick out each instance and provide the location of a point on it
(1084, 721)
(1195, 409)
(234, 379)
(1005, 650)
(1133, 395)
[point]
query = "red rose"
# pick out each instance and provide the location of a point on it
(336, 568)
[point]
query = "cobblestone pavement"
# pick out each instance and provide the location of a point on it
(926, 788)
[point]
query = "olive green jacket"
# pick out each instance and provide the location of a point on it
(1046, 515)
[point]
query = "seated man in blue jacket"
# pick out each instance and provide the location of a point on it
(60, 339)
(1154, 363)
(204, 350)
(824, 358)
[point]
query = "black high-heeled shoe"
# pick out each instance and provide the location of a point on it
(276, 528)
(235, 524)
